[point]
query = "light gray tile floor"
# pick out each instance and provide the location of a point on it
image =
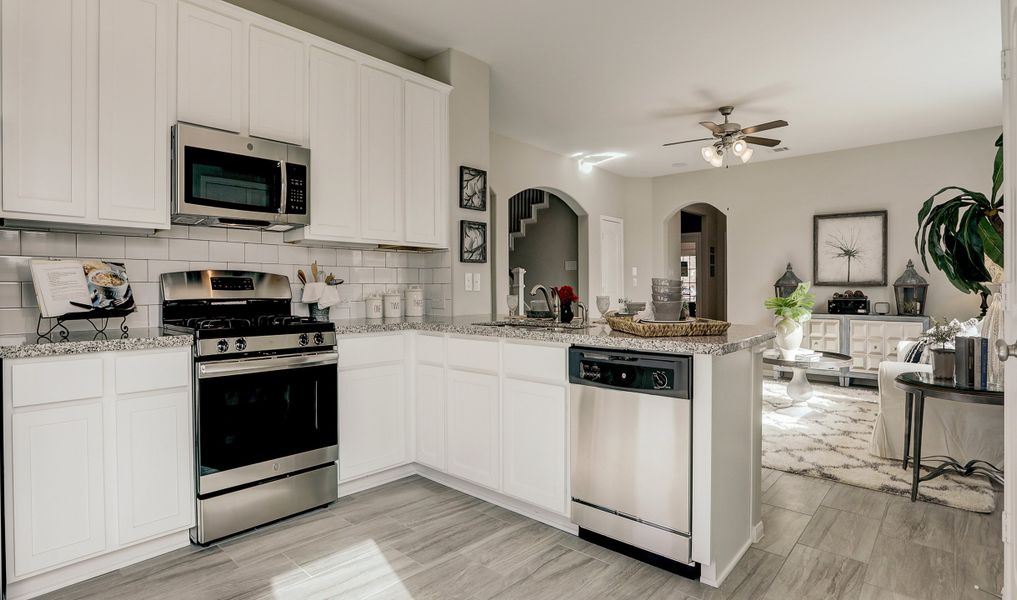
(417, 540)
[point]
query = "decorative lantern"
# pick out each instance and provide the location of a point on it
(910, 290)
(787, 283)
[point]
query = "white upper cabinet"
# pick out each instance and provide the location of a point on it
(381, 143)
(46, 117)
(426, 176)
(335, 143)
(278, 90)
(134, 118)
(212, 72)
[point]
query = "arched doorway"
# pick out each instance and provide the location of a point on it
(697, 254)
(544, 239)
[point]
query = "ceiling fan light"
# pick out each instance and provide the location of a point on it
(709, 153)
(717, 160)
(746, 155)
(739, 146)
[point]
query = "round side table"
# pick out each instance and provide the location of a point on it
(799, 389)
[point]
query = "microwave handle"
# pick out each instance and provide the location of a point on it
(283, 185)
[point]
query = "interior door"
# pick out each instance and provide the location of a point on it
(1009, 21)
(612, 258)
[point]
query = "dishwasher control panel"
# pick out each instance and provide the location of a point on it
(643, 372)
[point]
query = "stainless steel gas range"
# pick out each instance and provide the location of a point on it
(265, 399)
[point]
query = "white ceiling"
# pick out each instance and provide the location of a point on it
(609, 75)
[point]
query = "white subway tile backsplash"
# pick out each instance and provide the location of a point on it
(361, 275)
(225, 251)
(351, 292)
(175, 231)
(372, 258)
(207, 266)
(418, 260)
(441, 276)
(350, 258)
(242, 266)
(100, 246)
(28, 298)
(284, 270)
(18, 320)
(358, 310)
(374, 290)
(10, 241)
(323, 256)
(217, 234)
(295, 255)
(272, 237)
(157, 267)
(15, 268)
(243, 235)
(408, 276)
(426, 276)
(148, 247)
(396, 259)
(10, 295)
(146, 292)
(188, 250)
(48, 243)
(261, 253)
(384, 275)
(137, 270)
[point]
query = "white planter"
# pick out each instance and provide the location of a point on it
(789, 337)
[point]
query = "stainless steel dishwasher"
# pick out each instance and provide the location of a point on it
(631, 451)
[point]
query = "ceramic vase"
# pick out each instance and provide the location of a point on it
(943, 363)
(992, 328)
(789, 337)
(566, 312)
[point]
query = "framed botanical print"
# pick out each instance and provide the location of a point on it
(849, 249)
(472, 188)
(472, 242)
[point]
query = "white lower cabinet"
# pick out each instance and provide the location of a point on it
(534, 442)
(58, 485)
(154, 464)
(372, 419)
(430, 405)
(92, 472)
(473, 427)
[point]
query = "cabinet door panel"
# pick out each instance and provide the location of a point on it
(134, 117)
(335, 145)
(372, 420)
(59, 503)
(473, 429)
(381, 135)
(278, 94)
(45, 104)
(154, 481)
(534, 443)
(430, 394)
(425, 170)
(211, 63)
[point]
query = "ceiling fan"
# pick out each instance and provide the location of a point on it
(732, 137)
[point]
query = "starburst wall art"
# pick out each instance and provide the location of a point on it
(849, 249)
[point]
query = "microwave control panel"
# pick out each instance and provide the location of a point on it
(296, 189)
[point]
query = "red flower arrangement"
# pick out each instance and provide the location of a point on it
(566, 294)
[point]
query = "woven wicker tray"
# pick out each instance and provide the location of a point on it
(688, 328)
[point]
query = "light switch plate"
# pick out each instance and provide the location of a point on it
(469, 282)
(476, 282)
(571, 265)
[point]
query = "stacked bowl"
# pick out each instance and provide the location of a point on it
(667, 299)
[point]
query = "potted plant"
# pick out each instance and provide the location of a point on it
(941, 334)
(566, 296)
(962, 233)
(793, 310)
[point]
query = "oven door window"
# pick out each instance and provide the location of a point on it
(232, 181)
(251, 418)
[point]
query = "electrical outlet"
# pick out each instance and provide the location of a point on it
(469, 282)
(476, 282)
(571, 265)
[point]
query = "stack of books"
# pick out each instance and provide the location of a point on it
(972, 356)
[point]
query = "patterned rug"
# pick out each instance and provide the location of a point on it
(828, 438)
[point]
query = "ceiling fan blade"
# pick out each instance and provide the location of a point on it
(764, 126)
(712, 126)
(761, 141)
(689, 141)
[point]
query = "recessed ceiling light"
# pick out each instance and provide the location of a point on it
(780, 149)
(588, 161)
(679, 164)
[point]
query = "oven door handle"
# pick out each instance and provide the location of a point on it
(262, 365)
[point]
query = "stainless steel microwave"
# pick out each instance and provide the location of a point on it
(223, 179)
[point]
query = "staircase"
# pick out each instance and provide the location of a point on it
(523, 209)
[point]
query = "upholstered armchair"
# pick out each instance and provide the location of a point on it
(961, 431)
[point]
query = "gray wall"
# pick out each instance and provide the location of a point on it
(548, 243)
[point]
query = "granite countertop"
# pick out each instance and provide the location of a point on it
(28, 345)
(738, 337)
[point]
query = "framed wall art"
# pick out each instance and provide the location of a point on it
(472, 242)
(472, 188)
(849, 249)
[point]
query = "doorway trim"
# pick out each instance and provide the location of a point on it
(619, 277)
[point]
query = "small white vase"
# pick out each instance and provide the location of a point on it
(789, 337)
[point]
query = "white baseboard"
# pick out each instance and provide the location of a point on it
(708, 574)
(375, 479)
(37, 585)
(757, 532)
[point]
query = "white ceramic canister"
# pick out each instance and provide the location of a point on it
(393, 306)
(374, 308)
(414, 306)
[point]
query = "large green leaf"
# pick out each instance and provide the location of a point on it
(997, 168)
(991, 240)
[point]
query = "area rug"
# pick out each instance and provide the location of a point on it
(828, 438)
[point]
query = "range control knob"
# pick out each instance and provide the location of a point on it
(319, 339)
(660, 380)
(302, 339)
(241, 344)
(222, 346)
